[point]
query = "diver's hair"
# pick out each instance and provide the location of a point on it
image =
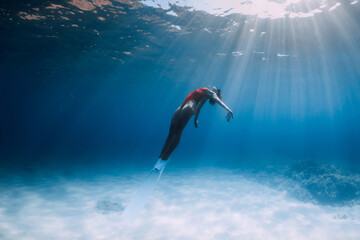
(218, 93)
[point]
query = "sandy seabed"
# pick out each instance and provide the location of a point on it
(198, 204)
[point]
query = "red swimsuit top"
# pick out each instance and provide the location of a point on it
(196, 95)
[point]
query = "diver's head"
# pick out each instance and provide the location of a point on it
(218, 93)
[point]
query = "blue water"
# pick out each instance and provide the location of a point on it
(86, 99)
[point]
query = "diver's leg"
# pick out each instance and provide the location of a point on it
(185, 115)
(173, 144)
(173, 124)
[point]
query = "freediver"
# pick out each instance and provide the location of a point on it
(191, 106)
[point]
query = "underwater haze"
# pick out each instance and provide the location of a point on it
(88, 89)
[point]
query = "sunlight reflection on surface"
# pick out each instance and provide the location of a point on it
(259, 8)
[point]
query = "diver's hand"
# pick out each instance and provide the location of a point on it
(196, 123)
(229, 115)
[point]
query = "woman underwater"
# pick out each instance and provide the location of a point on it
(191, 106)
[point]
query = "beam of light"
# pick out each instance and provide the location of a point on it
(284, 37)
(279, 69)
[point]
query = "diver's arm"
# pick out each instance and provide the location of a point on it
(198, 108)
(214, 97)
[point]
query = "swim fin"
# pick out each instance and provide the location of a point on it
(140, 198)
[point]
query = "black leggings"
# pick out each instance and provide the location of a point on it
(179, 121)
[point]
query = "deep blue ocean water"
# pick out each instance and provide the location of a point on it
(88, 90)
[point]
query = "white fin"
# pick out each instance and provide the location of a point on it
(145, 190)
